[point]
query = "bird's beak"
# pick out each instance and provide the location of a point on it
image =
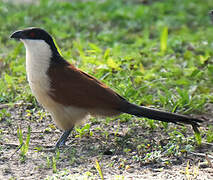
(17, 35)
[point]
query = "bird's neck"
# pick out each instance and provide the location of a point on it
(38, 57)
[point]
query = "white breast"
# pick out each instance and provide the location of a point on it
(38, 56)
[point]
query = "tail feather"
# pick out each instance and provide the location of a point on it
(141, 111)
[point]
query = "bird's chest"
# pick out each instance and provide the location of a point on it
(39, 82)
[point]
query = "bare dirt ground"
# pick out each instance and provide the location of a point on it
(106, 144)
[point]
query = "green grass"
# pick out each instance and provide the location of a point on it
(24, 146)
(157, 54)
(121, 47)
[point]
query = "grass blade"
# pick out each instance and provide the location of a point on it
(27, 139)
(98, 167)
(163, 40)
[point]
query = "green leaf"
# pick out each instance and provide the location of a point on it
(112, 64)
(8, 79)
(209, 134)
(28, 138)
(20, 135)
(95, 47)
(210, 68)
(56, 45)
(203, 59)
(198, 138)
(106, 53)
(98, 167)
(163, 39)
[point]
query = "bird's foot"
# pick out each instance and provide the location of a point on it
(62, 139)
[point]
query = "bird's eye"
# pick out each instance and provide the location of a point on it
(32, 34)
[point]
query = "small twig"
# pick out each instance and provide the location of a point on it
(53, 149)
(201, 155)
(16, 150)
(209, 162)
(2, 106)
(206, 143)
(10, 144)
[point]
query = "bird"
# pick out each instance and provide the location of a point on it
(71, 95)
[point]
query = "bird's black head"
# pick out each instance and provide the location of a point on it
(35, 33)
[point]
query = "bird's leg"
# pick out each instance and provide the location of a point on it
(63, 138)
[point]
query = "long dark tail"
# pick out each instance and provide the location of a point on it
(155, 114)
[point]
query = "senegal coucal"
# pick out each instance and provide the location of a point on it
(69, 94)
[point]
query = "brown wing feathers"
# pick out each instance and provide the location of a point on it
(70, 86)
